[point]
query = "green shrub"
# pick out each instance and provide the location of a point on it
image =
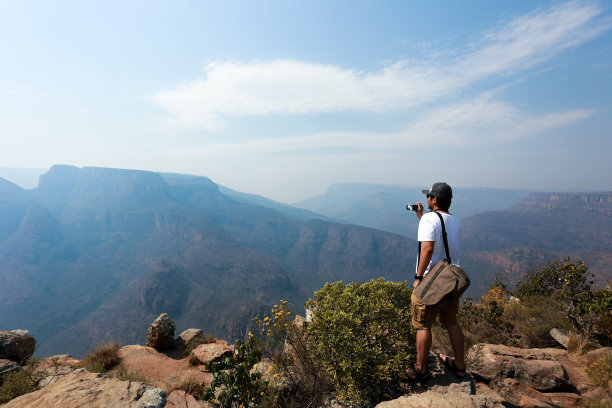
(600, 370)
(568, 285)
(486, 321)
(238, 386)
(295, 373)
(360, 333)
(533, 318)
(20, 382)
(102, 358)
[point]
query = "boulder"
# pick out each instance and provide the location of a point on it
(16, 345)
(537, 368)
(161, 333)
(205, 353)
(561, 336)
(189, 339)
(453, 396)
(523, 395)
(84, 389)
(180, 399)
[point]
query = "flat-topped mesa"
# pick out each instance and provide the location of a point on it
(600, 202)
(98, 187)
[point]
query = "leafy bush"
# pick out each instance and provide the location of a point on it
(486, 320)
(20, 382)
(360, 333)
(567, 284)
(102, 358)
(600, 370)
(238, 386)
(532, 320)
(555, 295)
(296, 375)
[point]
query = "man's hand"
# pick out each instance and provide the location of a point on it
(419, 211)
(416, 283)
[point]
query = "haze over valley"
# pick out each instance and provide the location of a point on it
(95, 254)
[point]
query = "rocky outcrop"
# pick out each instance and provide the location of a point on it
(537, 368)
(180, 399)
(161, 333)
(205, 353)
(160, 369)
(16, 345)
(85, 389)
(453, 396)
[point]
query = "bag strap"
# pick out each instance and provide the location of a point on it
(448, 258)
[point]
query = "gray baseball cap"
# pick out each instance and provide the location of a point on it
(441, 190)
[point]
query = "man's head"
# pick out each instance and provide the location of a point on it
(439, 196)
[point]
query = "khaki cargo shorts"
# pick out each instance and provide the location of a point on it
(424, 316)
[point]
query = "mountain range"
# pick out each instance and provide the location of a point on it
(95, 254)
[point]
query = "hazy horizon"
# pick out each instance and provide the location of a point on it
(284, 99)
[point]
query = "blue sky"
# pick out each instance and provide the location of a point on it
(283, 98)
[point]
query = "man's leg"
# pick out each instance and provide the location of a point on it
(423, 344)
(422, 318)
(455, 334)
(448, 318)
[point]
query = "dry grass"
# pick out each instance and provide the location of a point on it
(190, 385)
(121, 373)
(578, 343)
(102, 358)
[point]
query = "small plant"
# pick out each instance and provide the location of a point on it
(361, 333)
(568, 284)
(600, 370)
(102, 359)
(21, 382)
(233, 384)
(295, 373)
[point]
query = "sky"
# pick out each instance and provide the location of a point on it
(283, 98)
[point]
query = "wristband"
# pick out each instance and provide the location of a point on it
(417, 277)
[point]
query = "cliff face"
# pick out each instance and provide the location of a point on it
(540, 228)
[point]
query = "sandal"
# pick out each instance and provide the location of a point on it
(450, 364)
(415, 375)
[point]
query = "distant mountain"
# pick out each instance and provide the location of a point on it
(542, 227)
(384, 206)
(96, 254)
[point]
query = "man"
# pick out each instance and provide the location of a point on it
(432, 250)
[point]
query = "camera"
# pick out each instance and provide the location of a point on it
(412, 207)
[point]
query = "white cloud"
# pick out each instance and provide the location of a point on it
(480, 121)
(288, 87)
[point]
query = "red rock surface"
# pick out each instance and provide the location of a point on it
(160, 369)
